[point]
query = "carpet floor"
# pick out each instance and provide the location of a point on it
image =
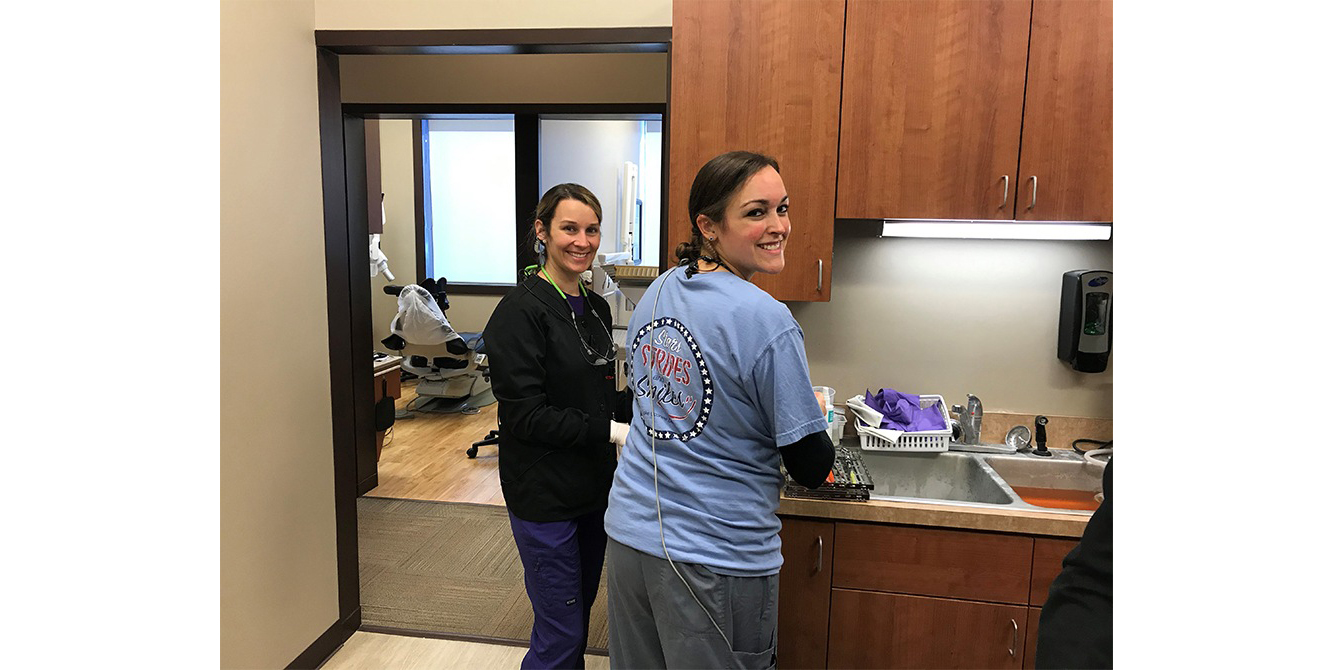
(449, 568)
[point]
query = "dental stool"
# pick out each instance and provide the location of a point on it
(492, 437)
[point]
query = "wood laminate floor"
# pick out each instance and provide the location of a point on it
(377, 650)
(425, 457)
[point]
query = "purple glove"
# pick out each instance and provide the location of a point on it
(903, 411)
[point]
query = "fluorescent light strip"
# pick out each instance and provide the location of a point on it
(997, 230)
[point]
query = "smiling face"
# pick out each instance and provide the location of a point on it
(754, 230)
(572, 240)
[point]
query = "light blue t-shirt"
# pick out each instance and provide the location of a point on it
(719, 375)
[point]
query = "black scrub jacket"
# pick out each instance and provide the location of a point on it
(1075, 627)
(556, 456)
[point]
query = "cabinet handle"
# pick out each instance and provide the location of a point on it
(819, 278)
(1005, 194)
(819, 557)
(1034, 200)
(1014, 640)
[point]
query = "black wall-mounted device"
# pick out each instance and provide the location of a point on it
(1085, 336)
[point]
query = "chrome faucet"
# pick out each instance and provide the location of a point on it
(970, 420)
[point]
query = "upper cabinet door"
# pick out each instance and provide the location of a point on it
(761, 75)
(933, 100)
(1066, 160)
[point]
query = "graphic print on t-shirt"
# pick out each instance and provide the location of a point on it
(671, 374)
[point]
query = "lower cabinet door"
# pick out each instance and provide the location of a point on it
(1031, 647)
(803, 593)
(883, 630)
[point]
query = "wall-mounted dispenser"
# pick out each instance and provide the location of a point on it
(1085, 337)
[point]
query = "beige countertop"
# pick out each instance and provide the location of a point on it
(1028, 522)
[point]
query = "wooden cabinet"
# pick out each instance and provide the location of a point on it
(871, 595)
(883, 630)
(934, 562)
(957, 109)
(803, 593)
(1031, 646)
(933, 101)
(1048, 553)
(1067, 148)
(761, 75)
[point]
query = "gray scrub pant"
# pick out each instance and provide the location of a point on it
(654, 622)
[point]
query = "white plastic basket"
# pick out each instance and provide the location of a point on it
(922, 440)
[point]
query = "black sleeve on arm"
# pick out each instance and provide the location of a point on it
(624, 405)
(809, 459)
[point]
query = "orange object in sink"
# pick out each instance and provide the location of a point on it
(1057, 498)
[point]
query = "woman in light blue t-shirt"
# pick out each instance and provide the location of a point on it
(722, 393)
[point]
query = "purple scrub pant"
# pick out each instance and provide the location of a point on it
(562, 565)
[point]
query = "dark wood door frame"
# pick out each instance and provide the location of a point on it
(342, 164)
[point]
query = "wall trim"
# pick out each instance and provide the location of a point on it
(495, 41)
(328, 643)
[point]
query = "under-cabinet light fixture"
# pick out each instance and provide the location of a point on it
(997, 230)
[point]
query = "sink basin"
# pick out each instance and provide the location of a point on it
(1061, 483)
(932, 476)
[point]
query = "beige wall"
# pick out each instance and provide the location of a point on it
(278, 568)
(278, 559)
(952, 317)
(399, 240)
(460, 14)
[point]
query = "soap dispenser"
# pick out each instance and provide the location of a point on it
(1085, 337)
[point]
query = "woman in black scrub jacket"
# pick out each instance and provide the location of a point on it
(561, 421)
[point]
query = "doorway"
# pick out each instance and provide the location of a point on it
(350, 299)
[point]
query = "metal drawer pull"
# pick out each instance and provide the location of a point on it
(1005, 195)
(1015, 640)
(819, 279)
(1034, 200)
(819, 558)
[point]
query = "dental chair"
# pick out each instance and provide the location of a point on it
(454, 375)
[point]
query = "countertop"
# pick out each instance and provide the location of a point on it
(940, 515)
(1054, 524)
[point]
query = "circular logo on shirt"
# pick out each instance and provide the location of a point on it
(671, 373)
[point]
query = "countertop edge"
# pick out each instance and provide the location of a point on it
(1052, 524)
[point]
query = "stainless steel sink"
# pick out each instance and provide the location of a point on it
(933, 476)
(976, 479)
(1050, 473)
